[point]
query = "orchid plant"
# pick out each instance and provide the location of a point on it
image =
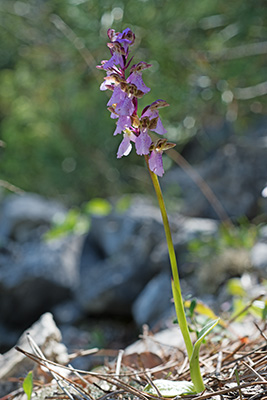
(127, 86)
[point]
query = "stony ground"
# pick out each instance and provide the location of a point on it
(233, 363)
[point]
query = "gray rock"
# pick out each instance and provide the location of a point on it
(112, 285)
(236, 173)
(114, 261)
(36, 277)
(154, 302)
(8, 337)
(67, 313)
(186, 229)
(114, 233)
(210, 274)
(263, 232)
(164, 342)
(26, 217)
(259, 258)
(14, 364)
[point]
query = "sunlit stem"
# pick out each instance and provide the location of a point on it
(176, 288)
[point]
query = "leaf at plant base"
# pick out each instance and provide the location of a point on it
(204, 331)
(194, 360)
(169, 388)
(27, 385)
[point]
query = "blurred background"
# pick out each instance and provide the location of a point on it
(209, 64)
(56, 143)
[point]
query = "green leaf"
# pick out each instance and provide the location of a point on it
(98, 206)
(28, 385)
(194, 360)
(192, 307)
(169, 388)
(203, 309)
(123, 203)
(235, 288)
(264, 312)
(239, 309)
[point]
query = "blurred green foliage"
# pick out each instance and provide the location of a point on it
(77, 219)
(209, 63)
(243, 304)
(241, 236)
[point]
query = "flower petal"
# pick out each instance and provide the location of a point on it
(123, 122)
(142, 143)
(125, 106)
(125, 147)
(137, 80)
(155, 163)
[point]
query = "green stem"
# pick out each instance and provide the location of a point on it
(177, 295)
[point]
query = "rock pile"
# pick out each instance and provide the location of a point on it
(120, 268)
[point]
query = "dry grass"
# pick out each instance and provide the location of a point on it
(232, 369)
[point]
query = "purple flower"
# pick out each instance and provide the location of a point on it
(117, 96)
(143, 143)
(125, 106)
(123, 98)
(135, 76)
(123, 122)
(126, 146)
(119, 48)
(123, 103)
(151, 112)
(126, 38)
(116, 59)
(155, 162)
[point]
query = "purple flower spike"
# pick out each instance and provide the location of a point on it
(155, 162)
(123, 103)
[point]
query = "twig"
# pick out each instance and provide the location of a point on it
(251, 92)
(238, 382)
(10, 187)
(152, 384)
(247, 50)
(83, 353)
(245, 308)
(77, 43)
(118, 365)
(254, 371)
(203, 186)
(225, 391)
(240, 346)
(260, 330)
(40, 361)
(36, 349)
(219, 364)
(82, 379)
